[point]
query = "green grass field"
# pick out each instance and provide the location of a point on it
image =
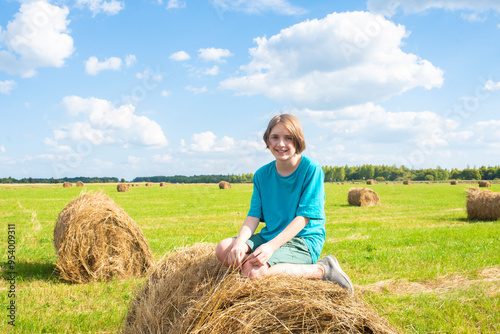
(416, 259)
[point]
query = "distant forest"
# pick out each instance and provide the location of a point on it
(84, 179)
(332, 174)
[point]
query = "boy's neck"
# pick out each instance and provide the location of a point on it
(287, 167)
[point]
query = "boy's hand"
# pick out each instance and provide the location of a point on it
(237, 254)
(261, 255)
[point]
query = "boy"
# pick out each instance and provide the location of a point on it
(289, 197)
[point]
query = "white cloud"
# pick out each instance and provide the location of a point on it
(134, 160)
(130, 60)
(146, 75)
(212, 71)
(2, 149)
(372, 123)
(179, 56)
(112, 7)
(370, 134)
(196, 90)
(6, 86)
(472, 17)
(344, 59)
(176, 4)
(166, 93)
(491, 85)
(207, 142)
(213, 54)
(103, 123)
(93, 66)
(487, 133)
(389, 7)
(36, 37)
(258, 6)
(163, 158)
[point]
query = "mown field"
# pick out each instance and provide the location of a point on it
(416, 258)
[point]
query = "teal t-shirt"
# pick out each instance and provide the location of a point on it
(277, 200)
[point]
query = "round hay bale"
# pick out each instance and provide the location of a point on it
(191, 292)
(163, 184)
(148, 184)
(363, 197)
(96, 240)
(454, 182)
(407, 182)
(122, 187)
(224, 185)
(79, 184)
(370, 181)
(483, 205)
(484, 183)
(67, 185)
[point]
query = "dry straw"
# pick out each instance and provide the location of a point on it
(148, 184)
(79, 184)
(370, 181)
(363, 197)
(96, 240)
(67, 185)
(407, 182)
(483, 205)
(163, 184)
(224, 185)
(484, 183)
(190, 292)
(454, 182)
(122, 187)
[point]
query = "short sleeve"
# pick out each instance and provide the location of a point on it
(256, 201)
(312, 199)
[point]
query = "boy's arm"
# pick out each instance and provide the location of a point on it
(264, 252)
(239, 248)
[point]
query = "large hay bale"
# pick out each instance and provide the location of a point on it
(122, 187)
(483, 205)
(370, 181)
(148, 184)
(79, 184)
(190, 292)
(454, 182)
(67, 185)
(224, 185)
(407, 182)
(484, 183)
(96, 240)
(163, 184)
(363, 197)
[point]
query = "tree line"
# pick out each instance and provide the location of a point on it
(242, 178)
(84, 179)
(393, 173)
(332, 174)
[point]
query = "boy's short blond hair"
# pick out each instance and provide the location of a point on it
(293, 125)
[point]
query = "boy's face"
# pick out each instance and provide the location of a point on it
(281, 143)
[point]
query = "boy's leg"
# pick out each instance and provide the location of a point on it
(293, 258)
(327, 270)
(291, 269)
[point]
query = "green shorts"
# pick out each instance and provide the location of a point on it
(293, 251)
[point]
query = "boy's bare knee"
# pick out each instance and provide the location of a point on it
(222, 249)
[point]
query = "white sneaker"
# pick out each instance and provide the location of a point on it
(335, 274)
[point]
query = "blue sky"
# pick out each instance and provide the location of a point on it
(143, 88)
